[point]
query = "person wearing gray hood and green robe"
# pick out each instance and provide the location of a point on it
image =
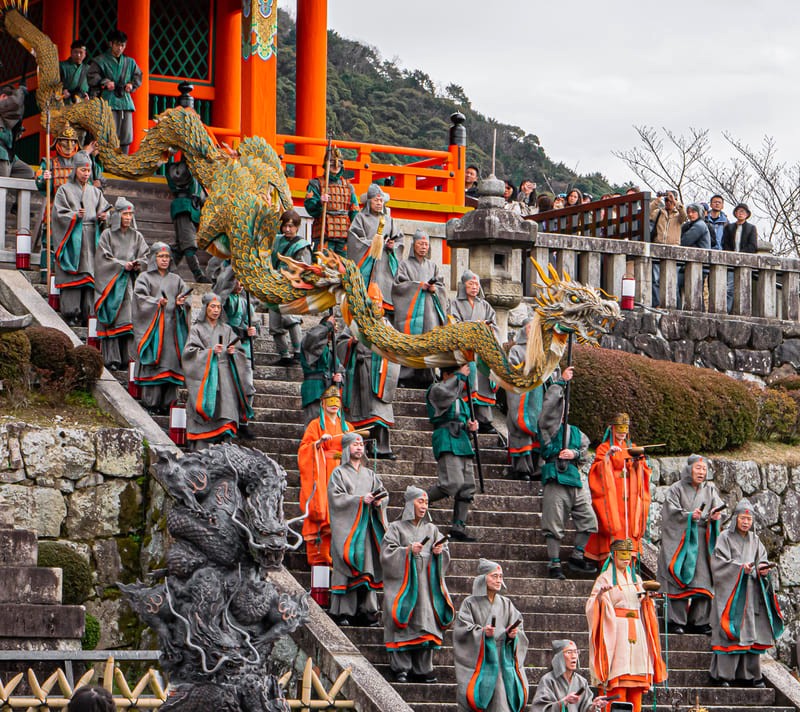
(689, 530)
(745, 618)
(564, 689)
(161, 328)
(416, 603)
(489, 647)
(121, 254)
(358, 523)
(77, 209)
(470, 305)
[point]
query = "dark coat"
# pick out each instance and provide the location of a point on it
(695, 234)
(749, 241)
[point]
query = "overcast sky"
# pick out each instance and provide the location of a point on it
(581, 74)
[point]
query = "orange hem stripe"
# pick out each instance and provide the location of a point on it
(228, 427)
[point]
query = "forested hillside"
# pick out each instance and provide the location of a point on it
(372, 99)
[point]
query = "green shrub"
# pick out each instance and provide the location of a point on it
(50, 349)
(778, 413)
(76, 572)
(87, 362)
(91, 633)
(15, 354)
(690, 409)
(790, 383)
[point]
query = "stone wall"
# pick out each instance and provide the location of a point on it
(743, 346)
(86, 489)
(774, 491)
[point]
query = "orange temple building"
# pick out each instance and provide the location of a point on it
(229, 56)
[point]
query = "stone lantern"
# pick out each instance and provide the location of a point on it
(496, 240)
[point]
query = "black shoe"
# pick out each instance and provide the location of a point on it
(759, 683)
(342, 621)
(113, 366)
(371, 620)
(461, 535)
(555, 572)
(583, 566)
(716, 682)
(244, 433)
(425, 677)
(285, 361)
(401, 676)
(488, 428)
(675, 628)
(702, 629)
(386, 456)
(201, 278)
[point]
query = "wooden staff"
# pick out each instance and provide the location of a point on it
(48, 185)
(325, 192)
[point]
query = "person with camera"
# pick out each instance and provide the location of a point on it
(375, 244)
(666, 217)
(114, 76)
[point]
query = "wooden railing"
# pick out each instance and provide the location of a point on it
(423, 176)
(762, 285)
(626, 217)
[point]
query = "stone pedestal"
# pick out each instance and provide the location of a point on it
(496, 239)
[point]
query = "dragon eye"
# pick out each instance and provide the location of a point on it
(574, 298)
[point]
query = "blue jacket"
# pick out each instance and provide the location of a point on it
(715, 227)
(696, 234)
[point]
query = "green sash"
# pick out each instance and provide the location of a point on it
(68, 252)
(442, 605)
(206, 402)
(481, 686)
(684, 561)
(152, 341)
(108, 305)
(406, 599)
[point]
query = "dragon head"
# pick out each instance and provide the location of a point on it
(570, 307)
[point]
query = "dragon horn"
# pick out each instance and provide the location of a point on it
(550, 277)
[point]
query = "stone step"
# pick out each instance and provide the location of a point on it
(18, 547)
(23, 620)
(30, 584)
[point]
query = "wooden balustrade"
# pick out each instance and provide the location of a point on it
(762, 285)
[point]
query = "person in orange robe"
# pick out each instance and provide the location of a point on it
(624, 648)
(319, 454)
(620, 486)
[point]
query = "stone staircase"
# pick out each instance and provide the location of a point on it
(506, 519)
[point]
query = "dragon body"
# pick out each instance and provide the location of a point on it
(248, 191)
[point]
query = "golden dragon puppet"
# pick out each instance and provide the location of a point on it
(247, 192)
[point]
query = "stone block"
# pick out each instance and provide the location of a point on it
(93, 479)
(108, 564)
(98, 511)
(672, 326)
(120, 452)
(63, 486)
(758, 362)
(649, 323)
(777, 374)
(10, 477)
(683, 351)
(30, 584)
(734, 333)
(41, 509)
(715, 354)
(747, 476)
(654, 527)
(653, 346)
(41, 621)
(18, 547)
(112, 614)
(790, 566)
(767, 506)
(57, 452)
(765, 337)
(725, 475)
(671, 469)
(790, 515)
(617, 343)
(788, 352)
(628, 327)
(777, 477)
(700, 328)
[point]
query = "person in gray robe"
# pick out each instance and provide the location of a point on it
(564, 689)
(745, 617)
(357, 503)
(447, 403)
(187, 201)
(563, 491)
(690, 518)
(420, 300)
(121, 254)
(77, 209)
(489, 638)
(285, 328)
(321, 368)
(470, 305)
(416, 603)
(368, 390)
(213, 361)
(160, 329)
(375, 244)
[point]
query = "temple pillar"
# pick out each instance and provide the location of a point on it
(312, 79)
(259, 93)
(133, 18)
(226, 111)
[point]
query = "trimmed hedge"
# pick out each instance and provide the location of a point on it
(76, 572)
(690, 409)
(87, 362)
(15, 353)
(50, 349)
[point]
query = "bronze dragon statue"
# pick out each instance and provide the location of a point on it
(248, 191)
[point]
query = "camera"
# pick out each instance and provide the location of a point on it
(119, 91)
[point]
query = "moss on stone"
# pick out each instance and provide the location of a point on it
(91, 633)
(131, 512)
(129, 554)
(76, 572)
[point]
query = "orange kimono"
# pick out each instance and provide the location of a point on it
(619, 487)
(315, 465)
